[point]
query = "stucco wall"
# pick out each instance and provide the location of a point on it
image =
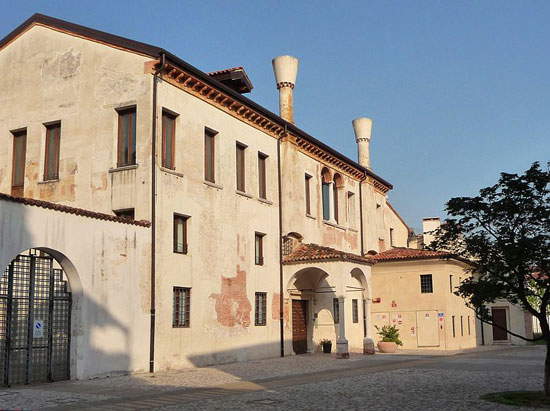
(397, 284)
(107, 264)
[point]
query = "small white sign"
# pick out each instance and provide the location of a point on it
(38, 329)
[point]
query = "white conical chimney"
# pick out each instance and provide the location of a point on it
(362, 127)
(286, 69)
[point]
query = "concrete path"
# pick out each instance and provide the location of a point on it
(405, 381)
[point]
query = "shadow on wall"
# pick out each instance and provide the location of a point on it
(98, 342)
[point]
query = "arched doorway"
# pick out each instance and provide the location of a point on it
(35, 320)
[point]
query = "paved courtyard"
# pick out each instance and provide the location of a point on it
(406, 381)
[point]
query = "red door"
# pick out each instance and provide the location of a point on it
(499, 319)
(299, 326)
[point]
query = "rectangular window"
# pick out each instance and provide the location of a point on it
(126, 137)
(391, 237)
(451, 283)
(241, 167)
(182, 307)
(168, 139)
(180, 233)
(308, 194)
(259, 248)
(326, 201)
(355, 310)
(469, 330)
(262, 190)
(426, 285)
(209, 155)
(335, 195)
(18, 164)
(453, 320)
(261, 308)
(351, 209)
(127, 214)
(335, 310)
(51, 163)
(461, 327)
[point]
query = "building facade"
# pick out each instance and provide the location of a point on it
(254, 238)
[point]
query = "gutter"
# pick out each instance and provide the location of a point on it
(153, 215)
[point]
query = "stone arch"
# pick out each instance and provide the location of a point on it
(326, 175)
(75, 288)
(306, 279)
(338, 180)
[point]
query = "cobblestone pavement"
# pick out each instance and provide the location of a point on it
(406, 381)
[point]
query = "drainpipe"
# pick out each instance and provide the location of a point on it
(362, 247)
(153, 213)
(281, 295)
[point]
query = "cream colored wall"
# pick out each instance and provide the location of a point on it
(50, 76)
(343, 236)
(107, 265)
(518, 321)
(400, 233)
(397, 284)
(222, 226)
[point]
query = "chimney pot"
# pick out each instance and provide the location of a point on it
(362, 127)
(285, 69)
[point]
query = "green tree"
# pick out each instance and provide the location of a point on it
(505, 232)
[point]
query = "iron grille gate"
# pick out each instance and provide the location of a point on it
(35, 321)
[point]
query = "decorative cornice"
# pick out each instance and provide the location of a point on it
(227, 103)
(285, 84)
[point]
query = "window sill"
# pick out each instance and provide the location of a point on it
(170, 171)
(123, 168)
(265, 201)
(55, 180)
(311, 216)
(213, 185)
(242, 193)
(353, 230)
(330, 223)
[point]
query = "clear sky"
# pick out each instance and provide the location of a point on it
(458, 90)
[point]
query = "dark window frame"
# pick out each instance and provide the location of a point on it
(262, 175)
(454, 330)
(307, 182)
(355, 310)
(210, 155)
(325, 195)
(240, 166)
(18, 162)
(260, 309)
(336, 196)
(426, 284)
(130, 158)
(54, 127)
(184, 220)
(169, 163)
(259, 248)
(461, 326)
(451, 283)
(177, 320)
(126, 213)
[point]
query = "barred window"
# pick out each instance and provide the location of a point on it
(355, 310)
(426, 284)
(260, 308)
(336, 310)
(182, 305)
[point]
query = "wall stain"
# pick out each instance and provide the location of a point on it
(232, 305)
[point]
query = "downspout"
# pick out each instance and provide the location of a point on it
(362, 248)
(281, 295)
(153, 214)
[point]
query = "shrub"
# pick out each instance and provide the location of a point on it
(389, 333)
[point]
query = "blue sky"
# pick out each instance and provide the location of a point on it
(458, 90)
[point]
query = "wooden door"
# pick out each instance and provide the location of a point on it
(299, 326)
(499, 318)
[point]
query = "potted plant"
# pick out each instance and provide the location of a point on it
(390, 338)
(327, 346)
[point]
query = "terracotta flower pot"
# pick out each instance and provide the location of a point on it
(387, 347)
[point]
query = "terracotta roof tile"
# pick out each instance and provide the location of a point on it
(72, 210)
(227, 70)
(313, 252)
(401, 253)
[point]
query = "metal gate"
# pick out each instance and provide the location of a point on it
(35, 321)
